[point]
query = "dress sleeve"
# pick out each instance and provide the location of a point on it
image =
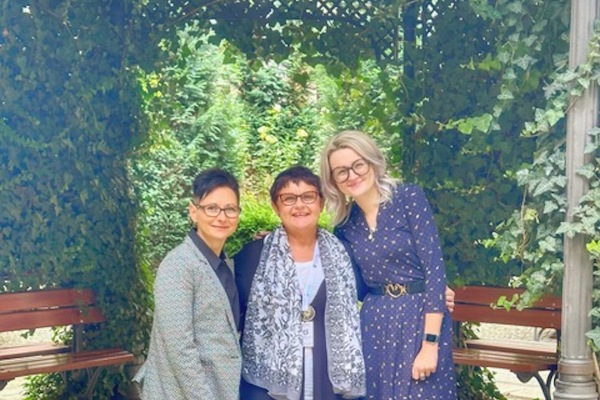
(361, 286)
(428, 248)
(174, 290)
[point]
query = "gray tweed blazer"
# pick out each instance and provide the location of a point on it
(194, 346)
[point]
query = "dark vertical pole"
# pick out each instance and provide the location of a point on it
(409, 29)
(575, 368)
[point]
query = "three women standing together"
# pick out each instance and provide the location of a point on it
(301, 335)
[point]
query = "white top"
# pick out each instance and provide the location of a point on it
(310, 277)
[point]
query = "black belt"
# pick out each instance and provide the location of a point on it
(398, 289)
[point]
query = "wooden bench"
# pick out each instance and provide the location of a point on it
(525, 358)
(52, 308)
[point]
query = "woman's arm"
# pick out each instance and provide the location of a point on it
(428, 248)
(174, 290)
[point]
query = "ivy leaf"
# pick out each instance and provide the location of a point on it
(548, 244)
(569, 75)
(543, 187)
(505, 94)
(524, 62)
(549, 207)
(568, 229)
(584, 82)
(593, 247)
(553, 116)
(594, 132)
(594, 334)
(587, 171)
(590, 148)
(466, 126)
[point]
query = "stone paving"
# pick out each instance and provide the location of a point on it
(513, 389)
(13, 390)
(507, 382)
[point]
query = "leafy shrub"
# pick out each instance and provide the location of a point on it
(283, 120)
(257, 215)
(195, 122)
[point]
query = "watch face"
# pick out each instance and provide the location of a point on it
(429, 337)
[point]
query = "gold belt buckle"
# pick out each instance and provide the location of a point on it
(395, 290)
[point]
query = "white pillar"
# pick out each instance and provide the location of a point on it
(575, 368)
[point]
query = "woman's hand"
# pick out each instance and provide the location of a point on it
(449, 299)
(262, 234)
(426, 361)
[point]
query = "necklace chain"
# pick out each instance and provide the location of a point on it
(371, 236)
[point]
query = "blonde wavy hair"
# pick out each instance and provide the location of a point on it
(364, 146)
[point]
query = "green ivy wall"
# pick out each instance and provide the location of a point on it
(68, 118)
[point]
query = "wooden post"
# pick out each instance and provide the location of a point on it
(575, 367)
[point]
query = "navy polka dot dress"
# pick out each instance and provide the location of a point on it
(405, 247)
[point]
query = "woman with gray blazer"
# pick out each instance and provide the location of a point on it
(194, 348)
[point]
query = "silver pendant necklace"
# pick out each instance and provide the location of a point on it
(371, 236)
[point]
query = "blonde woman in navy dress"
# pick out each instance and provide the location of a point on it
(389, 230)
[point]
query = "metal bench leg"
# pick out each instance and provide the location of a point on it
(551, 377)
(93, 375)
(3, 384)
(544, 385)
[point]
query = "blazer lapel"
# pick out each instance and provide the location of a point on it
(219, 290)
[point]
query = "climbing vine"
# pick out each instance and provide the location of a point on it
(68, 117)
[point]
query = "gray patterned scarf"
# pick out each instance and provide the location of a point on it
(272, 344)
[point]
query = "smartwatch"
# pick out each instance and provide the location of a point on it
(431, 338)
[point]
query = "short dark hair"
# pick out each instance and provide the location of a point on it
(294, 174)
(211, 179)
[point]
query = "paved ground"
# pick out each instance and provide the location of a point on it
(14, 388)
(513, 389)
(507, 382)
(13, 391)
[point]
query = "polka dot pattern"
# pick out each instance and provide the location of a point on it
(405, 247)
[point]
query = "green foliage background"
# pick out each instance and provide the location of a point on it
(195, 122)
(69, 114)
(108, 110)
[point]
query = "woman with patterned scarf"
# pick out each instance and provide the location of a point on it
(301, 331)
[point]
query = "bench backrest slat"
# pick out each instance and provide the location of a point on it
(48, 318)
(474, 303)
(46, 308)
(11, 302)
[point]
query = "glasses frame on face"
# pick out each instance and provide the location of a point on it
(347, 170)
(227, 210)
(291, 198)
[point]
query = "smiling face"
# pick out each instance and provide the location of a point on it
(355, 185)
(215, 230)
(300, 215)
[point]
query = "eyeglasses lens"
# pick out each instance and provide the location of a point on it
(342, 174)
(212, 210)
(306, 197)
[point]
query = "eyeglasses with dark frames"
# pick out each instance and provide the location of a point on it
(342, 174)
(213, 210)
(289, 199)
